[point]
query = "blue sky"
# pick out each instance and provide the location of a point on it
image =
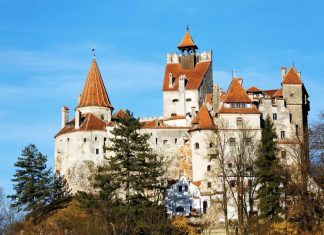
(45, 53)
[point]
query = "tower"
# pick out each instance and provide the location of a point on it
(296, 98)
(187, 79)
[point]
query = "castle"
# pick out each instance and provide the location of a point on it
(193, 107)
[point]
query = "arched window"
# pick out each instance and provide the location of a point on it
(196, 145)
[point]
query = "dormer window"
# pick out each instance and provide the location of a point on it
(171, 80)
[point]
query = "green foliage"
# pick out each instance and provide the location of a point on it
(133, 173)
(270, 175)
(37, 190)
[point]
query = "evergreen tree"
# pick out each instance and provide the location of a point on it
(270, 175)
(37, 190)
(133, 173)
(31, 181)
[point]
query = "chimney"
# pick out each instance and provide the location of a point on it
(240, 81)
(299, 74)
(216, 98)
(182, 80)
(193, 112)
(65, 115)
(283, 72)
(77, 119)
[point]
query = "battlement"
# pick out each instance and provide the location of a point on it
(202, 57)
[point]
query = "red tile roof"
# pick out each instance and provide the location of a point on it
(89, 122)
(253, 89)
(94, 92)
(194, 76)
(119, 114)
(292, 77)
(187, 42)
(236, 93)
(252, 110)
(270, 92)
(203, 120)
(279, 93)
(175, 117)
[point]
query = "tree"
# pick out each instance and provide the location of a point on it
(270, 177)
(38, 192)
(133, 173)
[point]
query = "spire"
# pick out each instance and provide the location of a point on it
(94, 92)
(187, 43)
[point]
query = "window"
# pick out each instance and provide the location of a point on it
(238, 105)
(180, 188)
(97, 151)
(196, 145)
(96, 138)
(250, 183)
(208, 168)
(175, 141)
(84, 140)
(283, 135)
(229, 165)
(283, 154)
(188, 99)
(205, 205)
(209, 185)
(173, 114)
(232, 183)
(248, 141)
(175, 100)
(102, 117)
(211, 145)
(165, 141)
(105, 139)
(232, 141)
(274, 116)
(239, 122)
(179, 209)
(186, 188)
(296, 129)
(156, 140)
(68, 139)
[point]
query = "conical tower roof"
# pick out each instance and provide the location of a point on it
(292, 77)
(94, 92)
(187, 42)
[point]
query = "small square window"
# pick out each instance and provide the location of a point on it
(196, 145)
(68, 139)
(209, 185)
(232, 141)
(232, 183)
(97, 151)
(165, 141)
(274, 116)
(208, 168)
(186, 188)
(96, 138)
(248, 141)
(84, 140)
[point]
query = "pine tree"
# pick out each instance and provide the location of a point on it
(270, 175)
(31, 181)
(133, 173)
(38, 191)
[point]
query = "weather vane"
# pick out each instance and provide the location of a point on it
(93, 53)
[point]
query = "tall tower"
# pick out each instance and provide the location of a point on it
(79, 143)
(296, 98)
(187, 79)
